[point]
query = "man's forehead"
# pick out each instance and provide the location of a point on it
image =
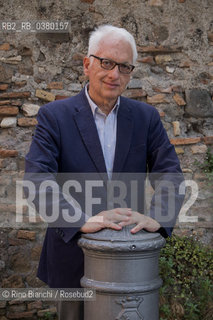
(112, 40)
(111, 45)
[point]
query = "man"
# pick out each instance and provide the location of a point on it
(97, 131)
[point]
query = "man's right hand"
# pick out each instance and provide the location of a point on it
(107, 219)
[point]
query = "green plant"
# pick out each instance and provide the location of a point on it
(186, 268)
(207, 165)
(48, 316)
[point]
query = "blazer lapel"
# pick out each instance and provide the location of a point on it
(87, 128)
(124, 136)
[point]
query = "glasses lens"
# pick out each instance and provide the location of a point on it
(125, 68)
(108, 64)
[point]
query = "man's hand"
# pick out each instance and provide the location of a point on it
(107, 219)
(118, 218)
(142, 222)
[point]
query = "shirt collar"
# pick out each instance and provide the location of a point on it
(94, 106)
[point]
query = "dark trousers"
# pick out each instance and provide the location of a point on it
(70, 310)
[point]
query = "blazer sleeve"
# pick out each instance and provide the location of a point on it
(41, 164)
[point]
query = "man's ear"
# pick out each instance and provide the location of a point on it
(86, 63)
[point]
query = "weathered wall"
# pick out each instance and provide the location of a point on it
(174, 73)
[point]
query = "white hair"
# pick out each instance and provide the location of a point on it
(119, 33)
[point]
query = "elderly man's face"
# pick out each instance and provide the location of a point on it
(106, 85)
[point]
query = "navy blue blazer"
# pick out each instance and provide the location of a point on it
(66, 140)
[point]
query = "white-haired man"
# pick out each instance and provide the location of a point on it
(97, 131)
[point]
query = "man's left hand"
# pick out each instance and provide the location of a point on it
(142, 222)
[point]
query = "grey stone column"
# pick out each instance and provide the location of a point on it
(123, 269)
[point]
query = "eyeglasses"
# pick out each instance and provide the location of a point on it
(110, 64)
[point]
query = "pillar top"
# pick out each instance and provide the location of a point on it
(123, 240)
(122, 235)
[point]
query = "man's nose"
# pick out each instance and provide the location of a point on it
(114, 73)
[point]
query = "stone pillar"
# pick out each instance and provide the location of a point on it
(123, 269)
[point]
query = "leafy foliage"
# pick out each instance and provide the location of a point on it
(49, 316)
(207, 165)
(186, 268)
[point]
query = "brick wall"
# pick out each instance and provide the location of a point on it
(173, 73)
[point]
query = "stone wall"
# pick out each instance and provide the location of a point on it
(173, 73)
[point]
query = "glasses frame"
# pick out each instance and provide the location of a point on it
(115, 64)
